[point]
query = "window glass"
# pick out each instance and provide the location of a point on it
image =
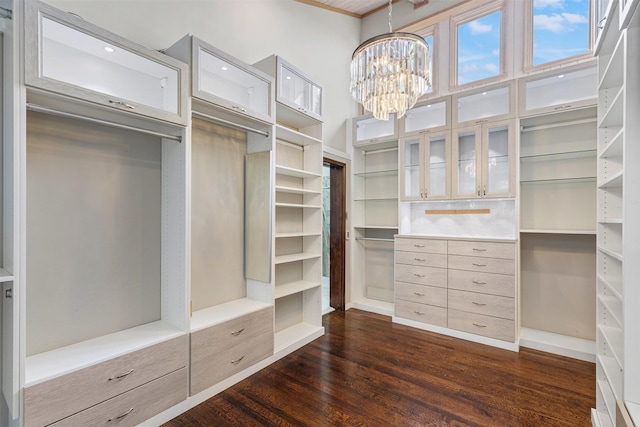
(479, 48)
(560, 29)
(429, 40)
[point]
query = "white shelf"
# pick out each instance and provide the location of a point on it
(45, 366)
(611, 286)
(5, 276)
(612, 254)
(294, 334)
(605, 391)
(293, 190)
(377, 227)
(556, 181)
(558, 156)
(610, 221)
(297, 234)
(283, 259)
(613, 306)
(613, 374)
(576, 348)
(295, 287)
(297, 205)
(613, 76)
(287, 134)
(375, 239)
(614, 181)
(615, 147)
(215, 315)
(613, 116)
(614, 339)
(297, 173)
(550, 231)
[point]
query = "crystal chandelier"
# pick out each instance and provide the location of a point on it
(390, 72)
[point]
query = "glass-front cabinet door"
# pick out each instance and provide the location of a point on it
(498, 159)
(298, 91)
(425, 167)
(69, 56)
(466, 157)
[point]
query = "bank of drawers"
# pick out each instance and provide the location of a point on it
(230, 347)
(477, 278)
(74, 393)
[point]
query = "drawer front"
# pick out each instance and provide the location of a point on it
(490, 305)
(421, 275)
(482, 249)
(421, 245)
(60, 397)
(421, 313)
(135, 406)
(421, 258)
(208, 369)
(486, 283)
(227, 334)
(479, 324)
(488, 265)
(422, 294)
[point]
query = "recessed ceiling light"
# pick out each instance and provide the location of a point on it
(484, 93)
(109, 49)
(561, 76)
(223, 68)
(288, 77)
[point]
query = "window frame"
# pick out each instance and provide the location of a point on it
(528, 66)
(431, 30)
(464, 18)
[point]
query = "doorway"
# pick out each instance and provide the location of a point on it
(333, 235)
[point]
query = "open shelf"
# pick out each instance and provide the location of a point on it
(558, 156)
(615, 147)
(560, 180)
(558, 231)
(612, 254)
(613, 116)
(296, 173)
(612, 285)
(613, 374)
(390, 172)
(221, 313)
(294, 190)
(287, 134)
(5, 276)
(292, 335)
(613, 306)
(605, 392)
(294, 287)
(614, 181)
(613, 339)
(613, 77)
(297, 205)
(283, 259)
(297, 234)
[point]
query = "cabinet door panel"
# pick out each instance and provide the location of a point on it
(497, 166)
(439, 153)
(467, 164)
(411, 169)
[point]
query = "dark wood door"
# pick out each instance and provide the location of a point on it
(337, 252)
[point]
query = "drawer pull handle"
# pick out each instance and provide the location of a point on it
(479, 250)
(238, 332)
(418, 275)
(419, 259)
(478, 282)
(117, 377)
(419, 246)
(121, 415)
(418, 313)
(122, 104)
(480, 304)
(235, 362)
(479, 325)
(419, 294)
(479, 265)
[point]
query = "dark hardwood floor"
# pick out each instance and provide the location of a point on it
(367, 371)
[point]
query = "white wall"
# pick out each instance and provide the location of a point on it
(315, 40)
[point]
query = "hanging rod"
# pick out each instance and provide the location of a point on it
(229, 123)
(41, 109)
(557, 125)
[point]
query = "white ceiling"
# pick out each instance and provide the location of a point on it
(357, 8)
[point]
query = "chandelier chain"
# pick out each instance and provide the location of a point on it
(390, 9)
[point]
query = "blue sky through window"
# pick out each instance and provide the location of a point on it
(479, 48)
(560, 29)
(429, 40)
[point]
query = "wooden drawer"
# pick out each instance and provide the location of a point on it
(421, 312)
(421, 258)
(490, 305)
(489, 265)
(52, 400)
(422, 294)
(430, 276)
(227, 334)
(135, 406)
(209, 366)
(421, 245)
(482, 249)
(486, 283)
(479, 324)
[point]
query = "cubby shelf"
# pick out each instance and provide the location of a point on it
(294, 287)
(297, 173)
(5, 276)
(615, 147)
(290, 336)
(297, 234)
(294, 190)
(284, 259)
(612, 116)
(297, 205)
(613, 77)
(299, 138)
(615, 181)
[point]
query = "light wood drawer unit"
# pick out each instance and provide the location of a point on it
(209, 366)
(486, 283)
(225, 349)
(421, 275)
(421, 294)
(488, 326)
(60, 397)
(421, 312)
(420, 258)
(489, 265)
(135, 406)
(482, 249)
(490, 305)
(421, 245)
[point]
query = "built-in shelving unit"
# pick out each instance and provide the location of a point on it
(618, 227)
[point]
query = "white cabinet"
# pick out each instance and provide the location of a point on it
(302, 95)
(69, 56)
(558, 90)
(369, 130)
(488, 103)
(425, 163)
(220, 79)
(434, 116)
(483, 160)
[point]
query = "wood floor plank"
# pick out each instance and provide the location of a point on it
(368, 371)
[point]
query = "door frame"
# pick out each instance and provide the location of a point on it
(337, 233)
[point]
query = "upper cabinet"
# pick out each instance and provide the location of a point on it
(627, 9)
(302, 96)
(605, 11)
(69, 56)
(221, 80)
(487, 103)
(369, 130)
(434, 116)
(484, 160)
(558, 90)
(425, 166)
